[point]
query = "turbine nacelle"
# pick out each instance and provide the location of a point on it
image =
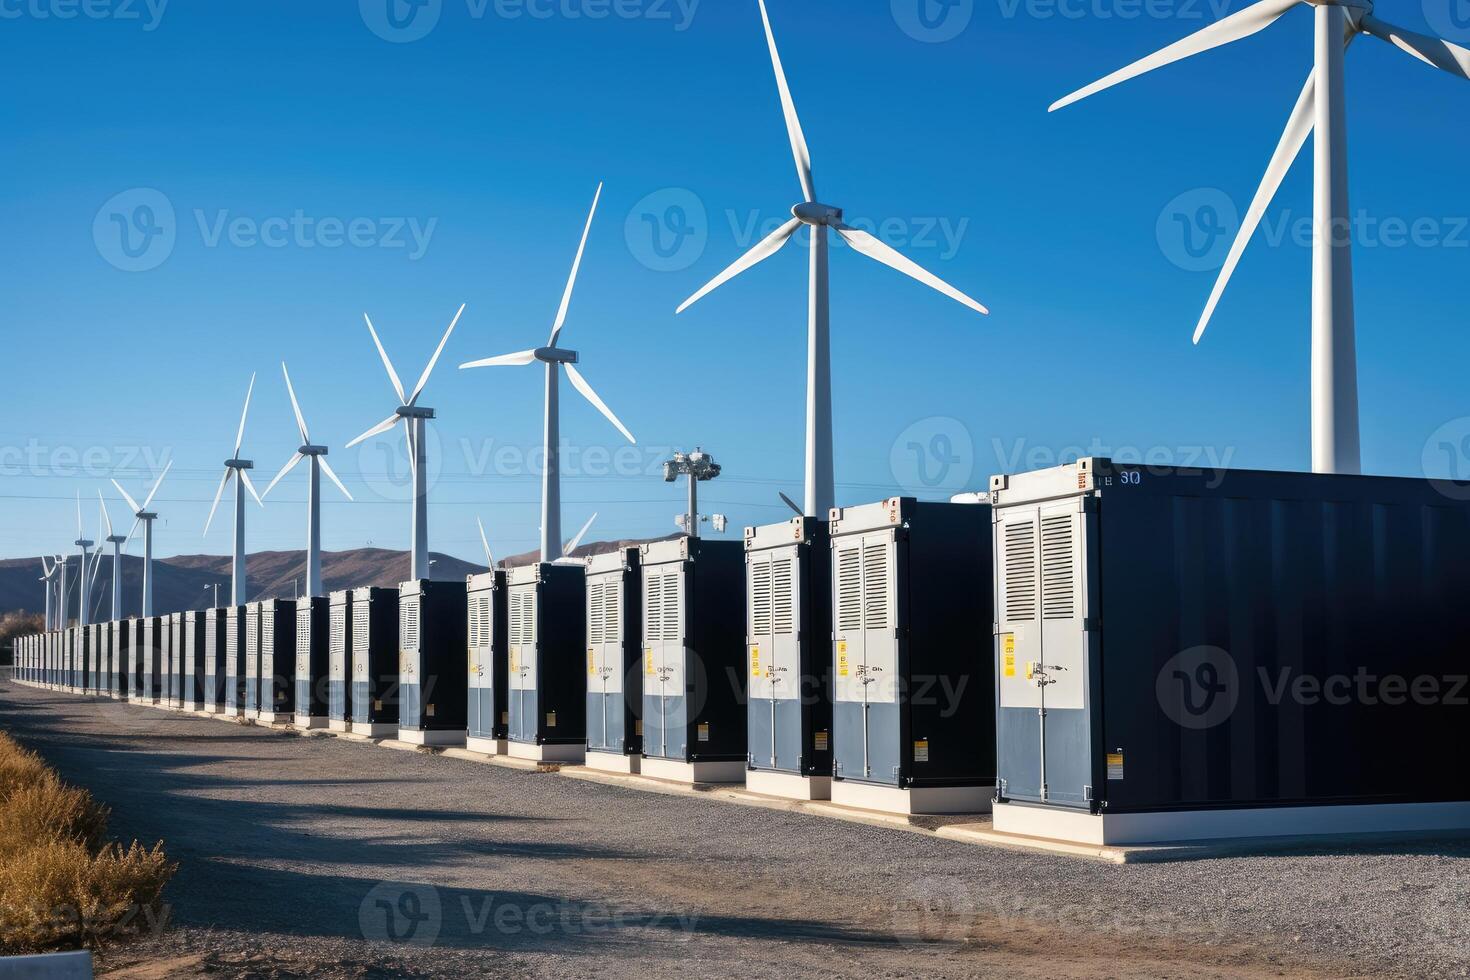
(146, 515)
(83, 543)
(1358, 7)
(812, 213)
(555, 355)
(116, 539)
(414, 412)
(309, 450)
(239, 464)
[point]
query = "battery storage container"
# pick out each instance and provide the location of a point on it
(213, 651)
(375, 687)
(788, 636)
(615, 661)
(240, 664)
(1191, 654)
(153, 674)
(277, 660)
(173, 660)
(191, 642)
(433, 665)
(913, 717)
(313, 661)
(339, 661)
(694, 710)
(546, 663)
(488, 713)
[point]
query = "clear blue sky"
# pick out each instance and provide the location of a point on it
(497, 124)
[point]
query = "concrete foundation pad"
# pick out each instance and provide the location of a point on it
(615, 762)
(338, 725)
(420, 736)
(377, 729)
(573, 754)
(213, 709)
(273, 718)
(1236, 825)
(788, 785)
(675, 771)
(913, 801)
(484, 746)
(467, 755)
(309, 722)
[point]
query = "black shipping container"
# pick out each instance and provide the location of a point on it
(375, 687)
(153, 673)
(433, 665)
(312, 661)
(214, 647)
(339, 661)
(277, 659)
(546, 633)
(1192, 640)
(191, 651)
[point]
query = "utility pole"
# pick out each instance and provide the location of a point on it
(698, 466)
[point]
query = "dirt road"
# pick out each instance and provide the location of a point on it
(327, 858)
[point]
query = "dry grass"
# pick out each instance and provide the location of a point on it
(63, 884)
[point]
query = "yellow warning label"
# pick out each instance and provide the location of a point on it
(704, 732)
(1115, 765)
(638, 727)
(921, 750)
(1008, 654)
(1030, 669)
(592, 661)
(430, 711)
(551, 719)
(820, 742)
(841, 658)
(755, 661)
(648, 661)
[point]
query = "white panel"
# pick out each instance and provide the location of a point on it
(1019, 640)
(1063, 641)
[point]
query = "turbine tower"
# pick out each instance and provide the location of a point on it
(145, 517)
(556, 358)
(820, 491)
(319, 465)
(49, 568)
(118, 542)
(413, 416)
(83, 586)
(240, 470)
(1322, 106)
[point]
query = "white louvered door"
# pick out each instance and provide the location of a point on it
(1039, 597)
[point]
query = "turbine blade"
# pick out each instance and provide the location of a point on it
(79, 514)
(503, 360)
(571, 545)
(792, 504)
(133, 532)
(1241, 24)
(126, 496)
(392, 374)
(1433, 51)
(240, 435)
(378, 429)
(156, 484)
(331, 475)
(295, 407)
(580, 383)
(217, 494)
(250, 485)
(489, 558)
(47, 567)
(763, 250)
(566, 297)
(876, 250)
(290, 465)
(418, 389)
(102, 506)
(1298, 128)
(799, 149)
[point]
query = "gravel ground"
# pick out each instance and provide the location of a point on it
(327, 858)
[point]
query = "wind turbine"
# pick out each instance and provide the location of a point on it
(413, 417)
(1322, 106)
(240, 470)
(573, 544)
(117, 541)
(555, 358)
(489, 557)
(145, 517)
(83, 587)
(820, 492)
(319, 465)
(49, 568)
